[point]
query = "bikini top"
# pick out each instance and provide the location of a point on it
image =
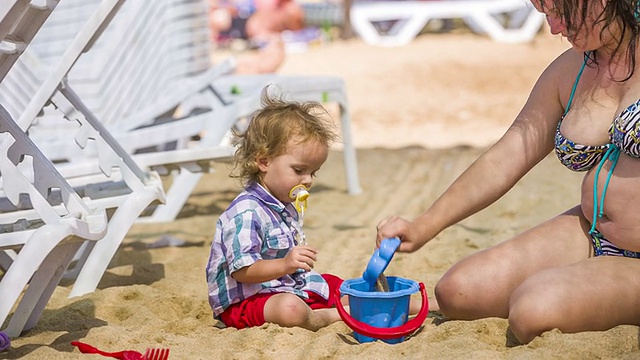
(624, 133)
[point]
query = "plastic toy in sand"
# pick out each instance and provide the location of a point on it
(379, 310)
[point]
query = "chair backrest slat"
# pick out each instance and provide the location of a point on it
(19, 23)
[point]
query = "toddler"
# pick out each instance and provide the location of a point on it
(260, 268)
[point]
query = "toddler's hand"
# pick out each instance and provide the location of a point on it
(300, 257)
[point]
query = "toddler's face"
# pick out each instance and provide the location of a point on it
(295, 167)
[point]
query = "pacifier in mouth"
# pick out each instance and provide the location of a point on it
(300, 193)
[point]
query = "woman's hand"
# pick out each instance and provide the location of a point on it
(406, 231)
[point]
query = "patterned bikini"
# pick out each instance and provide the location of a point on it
(624, 135)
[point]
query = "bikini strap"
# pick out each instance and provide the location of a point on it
(613, 153)
(575, 83)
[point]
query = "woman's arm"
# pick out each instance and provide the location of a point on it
(527, 141)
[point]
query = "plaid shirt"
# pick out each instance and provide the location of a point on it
(255, 226)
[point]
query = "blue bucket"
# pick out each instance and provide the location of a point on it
(379, 309)
(380, 314)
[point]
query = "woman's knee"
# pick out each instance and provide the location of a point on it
(452, 293)
(472, 290)
(532, 311)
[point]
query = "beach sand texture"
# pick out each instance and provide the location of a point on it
(421, 114)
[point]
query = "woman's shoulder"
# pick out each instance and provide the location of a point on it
(567, 63)
(561, 73)
(549, 96)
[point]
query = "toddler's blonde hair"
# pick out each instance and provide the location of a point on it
(272, 126)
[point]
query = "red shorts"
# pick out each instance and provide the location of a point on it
(250, 312)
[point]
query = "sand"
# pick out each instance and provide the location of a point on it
(420, 114)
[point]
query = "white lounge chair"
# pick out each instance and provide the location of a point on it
(210, 120)
(502, 20)
(148, 105)
(45, 233)
(123, 188)
(44, 220)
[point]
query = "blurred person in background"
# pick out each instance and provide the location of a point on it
(259, 23)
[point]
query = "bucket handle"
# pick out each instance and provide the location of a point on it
(385, 333)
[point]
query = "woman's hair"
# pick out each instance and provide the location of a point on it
(623, 13)
(272, 126)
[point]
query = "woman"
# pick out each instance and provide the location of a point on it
(578, 271)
